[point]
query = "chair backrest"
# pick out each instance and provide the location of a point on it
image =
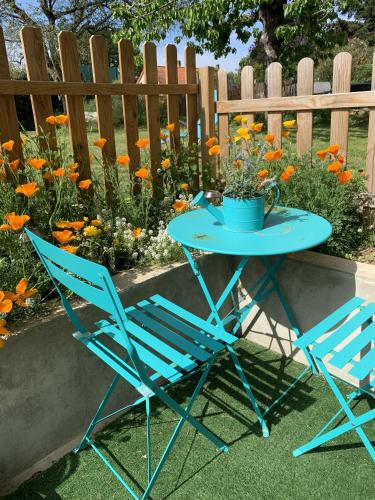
(88, 280)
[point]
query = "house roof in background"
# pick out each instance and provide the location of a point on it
(162, 75)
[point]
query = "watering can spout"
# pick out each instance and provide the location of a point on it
(201, 201)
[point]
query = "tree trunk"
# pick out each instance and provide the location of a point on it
(271, 15)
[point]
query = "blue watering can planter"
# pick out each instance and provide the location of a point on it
(237, 214)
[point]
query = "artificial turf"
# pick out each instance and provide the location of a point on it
(255, 467)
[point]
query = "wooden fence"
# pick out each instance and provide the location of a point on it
(339, 102)
(41, 89)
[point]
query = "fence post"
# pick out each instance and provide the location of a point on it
(192, 107)
(71, 73)
(36, 69)
(223, 118)
(153, 114)
(247, 88)
(207, 114)
(100, 72)
(9, 128)
(342, 70)
(173, 101)
(370, 161)
(305, 86)
(274, 86)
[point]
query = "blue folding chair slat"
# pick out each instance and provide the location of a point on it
(363, 339)
(216, 331)
(329, 322)
(185, 328)
(342, 332)
(169, 335)
(361, 369)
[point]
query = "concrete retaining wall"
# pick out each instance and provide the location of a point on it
(50, 385)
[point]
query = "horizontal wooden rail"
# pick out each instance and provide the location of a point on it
(299, 103)
(24, 87)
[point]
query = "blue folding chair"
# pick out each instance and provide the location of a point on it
(163, 344)
(343, 341)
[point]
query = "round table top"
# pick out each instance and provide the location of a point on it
(286, 230)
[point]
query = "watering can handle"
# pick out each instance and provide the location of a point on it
(275, 200)
(200, 200)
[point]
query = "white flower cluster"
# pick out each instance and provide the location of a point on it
(161, 247)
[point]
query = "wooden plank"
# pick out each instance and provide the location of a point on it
(342, 71)
(172, 99)
(23, 87)
(274, 89)
(223, 119)
(207, 114)
(129, 104)
(192, 106)
(346, 100)
(70, 66)
(305, 86)
(100, 72)
(153, 115)
(9, 128)
(36, 69)
(247, 88)
(370, 161)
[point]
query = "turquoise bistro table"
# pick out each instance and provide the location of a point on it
(287, 230)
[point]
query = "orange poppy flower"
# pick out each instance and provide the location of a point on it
(73, 176)
(278, 154)
(142, 173)
(6, 304)
(62, 119)
(14, 164)
(344, 176)
(333, 149)
(290, 170)
(47, 176)
(59, 172)
(123, 159)
(100, 143)
(285, 176)
(170, 127)
(63, 224)
(37, 163)
(215, 150)
(184, 186)
(237, 163)
(166, 163)
(16, 222)
(96, 222)
(1, 162)
(73, 167)
(322, 154)
(285, 133)
(162, 136)
(85, 184)
(341, 159)
(76, 225)
(269, 138)
(27, 189)
(8, 146)
(262, 173)
(63, 236)
(269, 156)
(256, 127)
(180, 205)
(51, 120)
(21, 293)
(69, 248)
(136, 232)
(142, 143)
(3, 331)
(334, 167)
(210, 142)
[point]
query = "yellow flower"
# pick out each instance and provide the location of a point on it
(136, 232)
(96, 222)
(256, 127)
(100, 143)
(166, 163)
(237, 118)
(289, 123)
(91, 231)
(215, 150)
(242, 133)
(244, 119)
(184, 186)
(8, 146)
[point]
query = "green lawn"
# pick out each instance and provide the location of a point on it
(255, 467)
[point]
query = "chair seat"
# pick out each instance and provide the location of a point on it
(169, 340)
(328, 336)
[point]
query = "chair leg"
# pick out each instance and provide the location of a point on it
(248, 390)
(148, 439)
(99, 411)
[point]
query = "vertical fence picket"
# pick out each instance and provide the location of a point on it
(129, 104)
(100, 72)
(247, 88)
(342, 70)
(370, 161)
(274, 86)
(71, 73)
(9, 128)
(305, 86)
(153, 114)
(36, 69)
(192, 106)
(207, 114)
(223, 119)
(173, 100)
